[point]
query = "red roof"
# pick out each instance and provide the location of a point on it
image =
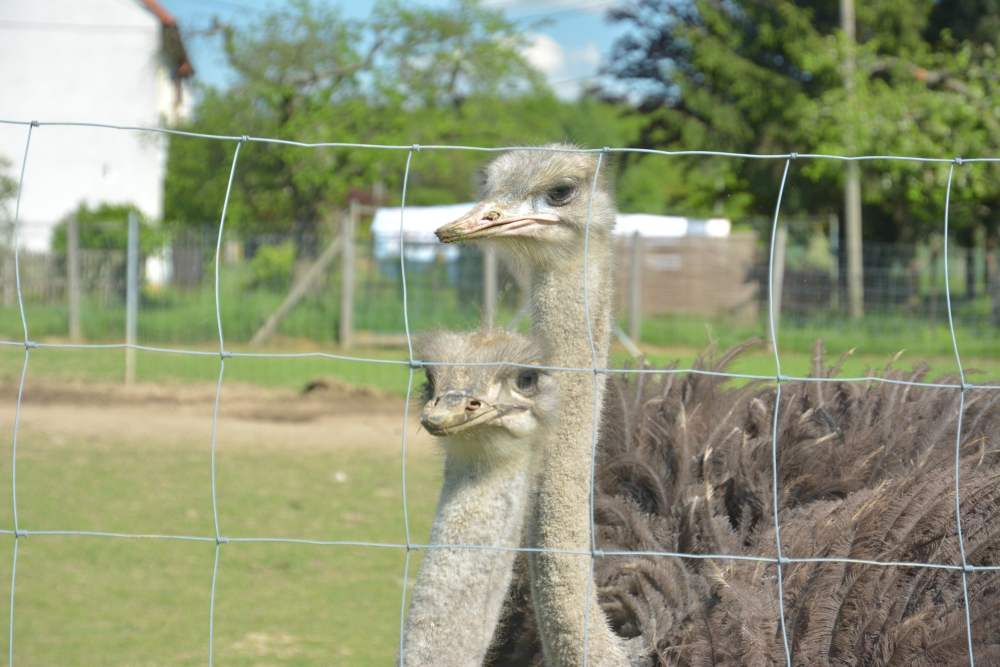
(172, 43)
(165, 17)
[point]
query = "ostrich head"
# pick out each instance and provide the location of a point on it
(483, 402)
(537, 203)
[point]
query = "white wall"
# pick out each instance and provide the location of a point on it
(96, 60)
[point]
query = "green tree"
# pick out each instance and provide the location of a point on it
(766, 77)
(406, 75)
(105, 227)
(8, 191)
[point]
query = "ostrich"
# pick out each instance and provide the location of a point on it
(487, 417)
(536, 206)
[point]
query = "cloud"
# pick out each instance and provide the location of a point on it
(566, 70)
(587, 54)
(549, 5)
(545, 54)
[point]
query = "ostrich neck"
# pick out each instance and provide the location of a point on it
(560, 311)
(458, 596)
(561, 515)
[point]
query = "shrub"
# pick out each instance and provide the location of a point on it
(271, 267)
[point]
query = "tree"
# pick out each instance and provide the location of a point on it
(406, 75)
(761, 77)
(105, 227)
(8, 191)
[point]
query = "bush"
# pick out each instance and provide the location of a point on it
(105, 227)
(271, 268)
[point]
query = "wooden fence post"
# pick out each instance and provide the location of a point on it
(635, 289)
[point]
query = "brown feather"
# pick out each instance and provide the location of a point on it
(865, 471)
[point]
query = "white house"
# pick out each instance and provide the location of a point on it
(107, 61)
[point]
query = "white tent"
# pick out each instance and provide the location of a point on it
(670, 226)
(419, 223)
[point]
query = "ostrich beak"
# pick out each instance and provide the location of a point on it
(487, 219)
(456, 411)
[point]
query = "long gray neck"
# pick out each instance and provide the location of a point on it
(561, 515)
(456, 602)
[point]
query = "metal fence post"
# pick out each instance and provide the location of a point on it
(489, 286)
(348, 223)
(73, 276)
(131, 296)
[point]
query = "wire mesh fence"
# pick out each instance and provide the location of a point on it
(175, 283)
(660, 283)
(386, 281)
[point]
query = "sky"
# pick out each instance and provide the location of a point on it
(569, 38)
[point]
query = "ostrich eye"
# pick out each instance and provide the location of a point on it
(559, 195)
(527, 381)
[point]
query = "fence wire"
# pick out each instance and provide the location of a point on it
(596, 369)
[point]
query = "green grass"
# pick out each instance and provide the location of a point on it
(872, 334)
(796, 358)
(88, 600)
(94, 600)
(158, 367)
(868, 344)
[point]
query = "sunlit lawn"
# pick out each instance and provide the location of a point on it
(796, 360)
(115, 601)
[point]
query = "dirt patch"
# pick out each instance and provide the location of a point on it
(321, 397)
(328, 414)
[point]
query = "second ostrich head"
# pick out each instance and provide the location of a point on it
(537, 203)
(481, 393)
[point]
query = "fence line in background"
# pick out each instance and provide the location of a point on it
(412, 364)
(660, 282)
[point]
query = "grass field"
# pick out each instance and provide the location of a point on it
(92, 456)
(85, 601)
(153, 367)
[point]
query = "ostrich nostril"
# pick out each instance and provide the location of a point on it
(492, 216)
(473, 404)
